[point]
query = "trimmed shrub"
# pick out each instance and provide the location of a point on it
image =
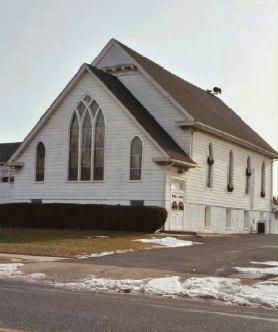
(79, 216)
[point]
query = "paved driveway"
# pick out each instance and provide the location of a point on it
(215, 256)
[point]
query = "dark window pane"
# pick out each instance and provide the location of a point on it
(99, 147)
(73, 161)
(85, 173)
(40, 177)
(40, 162)
(135, 159)
(99, 137)
(99, 158)
(231, 169)
(137, 203)
(94, 107)
(136, 146)
(98, 173)
(86, 148)
(135, 174)
(73, 149)
(81, 108)
(87, 99)
(73, 173)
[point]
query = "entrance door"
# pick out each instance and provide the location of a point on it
(261, 227)
(177, 206)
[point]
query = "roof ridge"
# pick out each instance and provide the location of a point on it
(203, 107)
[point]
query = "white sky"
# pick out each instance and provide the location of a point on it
(228, 43)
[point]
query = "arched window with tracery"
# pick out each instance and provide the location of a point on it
(86, 135)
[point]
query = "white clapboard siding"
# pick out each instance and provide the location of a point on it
(116, 188)
(218, 195)
(114, 56)
(165, 113)
(6, 193)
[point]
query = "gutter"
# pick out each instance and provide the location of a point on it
(203, 127)
(174, 162)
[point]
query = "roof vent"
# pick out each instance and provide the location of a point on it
(215, 91)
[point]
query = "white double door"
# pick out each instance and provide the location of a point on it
(177, 210)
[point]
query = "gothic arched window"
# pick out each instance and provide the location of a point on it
(87, 132)
(40, 162)
(136, 152)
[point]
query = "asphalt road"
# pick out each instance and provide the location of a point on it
(27, 307)
(216, 256)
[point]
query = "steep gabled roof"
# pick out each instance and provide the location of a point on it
(144, 118)
(6, 150)
(204, 107)
(136, 109)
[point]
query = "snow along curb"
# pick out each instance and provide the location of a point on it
(229, 290)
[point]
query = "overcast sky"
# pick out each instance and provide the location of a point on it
(228, 43)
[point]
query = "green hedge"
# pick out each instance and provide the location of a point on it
(79, 216)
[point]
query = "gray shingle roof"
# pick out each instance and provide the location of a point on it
(6, 150)
(144, 118)
(203, 106)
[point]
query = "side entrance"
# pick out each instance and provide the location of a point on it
(177, 205)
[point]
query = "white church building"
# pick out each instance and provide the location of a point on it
(126, 131)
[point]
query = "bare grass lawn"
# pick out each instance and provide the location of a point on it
(66, 243)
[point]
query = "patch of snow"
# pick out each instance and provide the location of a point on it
(36, 276)
(257, 272)
(168, 241)
(164, 286)
(102, 284)
(9, 269)
(271, 263)
(229, 290)
(102, 236)
(104, 253)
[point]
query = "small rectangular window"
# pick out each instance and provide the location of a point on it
(246, 219)
(36, 201)
(207, 216)
(228, 218)
(5, 176)
(137, 203)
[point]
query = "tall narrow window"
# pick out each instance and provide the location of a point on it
(248, 174)
(210, 162)
(230, 186)
(73, 149)
(86, 148)
(263, 180)
(99, 147)
(40, 162)
(136, 150)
